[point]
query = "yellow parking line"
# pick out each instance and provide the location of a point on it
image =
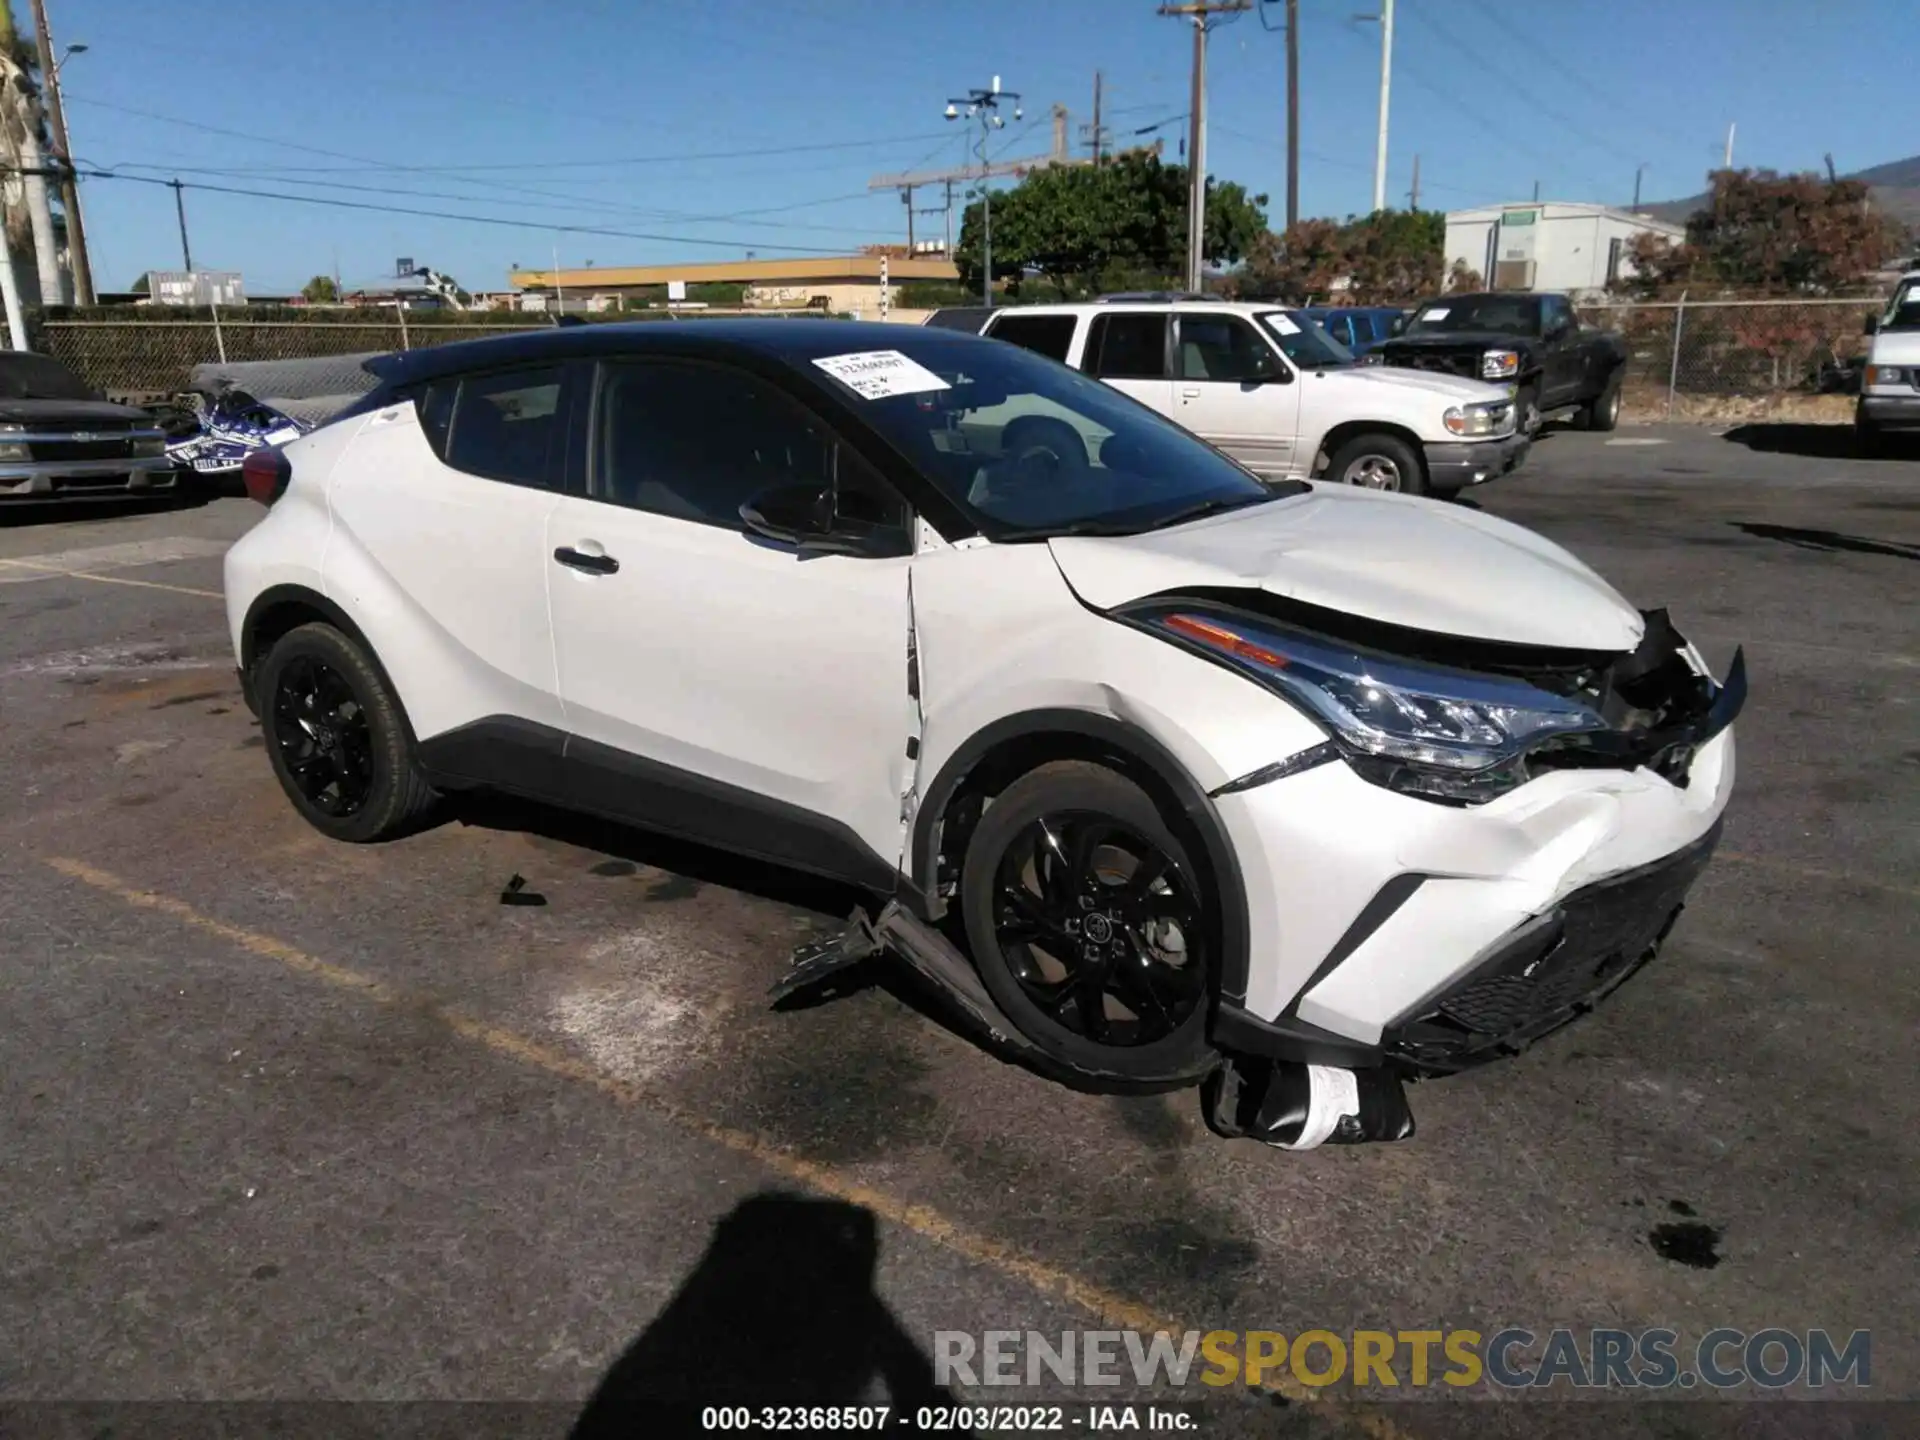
(53, 572)
(1105, 1305)
(1814, 872)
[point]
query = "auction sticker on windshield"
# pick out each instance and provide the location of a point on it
(1438, 312)
(1284, 325)
(877, 374)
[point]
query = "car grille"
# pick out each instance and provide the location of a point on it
(1463, 365)
(106, 447)
(1551, 971)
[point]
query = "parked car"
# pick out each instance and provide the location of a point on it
(62, 439)
(1174, 773)
(1890, 391)
(1533, 345)
(1357, 328)
(1277, 393)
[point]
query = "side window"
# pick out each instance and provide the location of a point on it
(1048, 335)
(696, 442)
(1555, 314)
(504, 426)
(1222, 347)
(1127, 347)
(1340, 327)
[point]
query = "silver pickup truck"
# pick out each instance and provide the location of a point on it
(60, 439)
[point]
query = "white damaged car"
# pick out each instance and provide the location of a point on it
(1164, 773)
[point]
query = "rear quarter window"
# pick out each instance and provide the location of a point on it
(1048, 335)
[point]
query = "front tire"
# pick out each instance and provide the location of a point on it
(1868, 442)
(1379, 461)
(339, 745)
(1089, 925)
(1527, 410)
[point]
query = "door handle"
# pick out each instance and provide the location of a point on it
(580, 560)
(1191, 393)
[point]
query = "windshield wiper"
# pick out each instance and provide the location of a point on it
(1110, 525)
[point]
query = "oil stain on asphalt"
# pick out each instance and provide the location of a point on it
(1686, 1242)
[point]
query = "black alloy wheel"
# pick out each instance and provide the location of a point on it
(338, 740)
(1090, 926)
(321, 731)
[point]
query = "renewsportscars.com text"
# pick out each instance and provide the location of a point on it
(1513, 1359)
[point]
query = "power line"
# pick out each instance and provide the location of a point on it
(363, 163)
(544, 227)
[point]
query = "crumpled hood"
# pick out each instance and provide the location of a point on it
(1448, 341)
(1397, 559)
(1449, 389)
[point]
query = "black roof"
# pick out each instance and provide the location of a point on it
(783, 338)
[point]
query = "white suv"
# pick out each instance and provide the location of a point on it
(1275, 391)
(1162, 770)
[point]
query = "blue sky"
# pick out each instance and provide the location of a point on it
(755, 125)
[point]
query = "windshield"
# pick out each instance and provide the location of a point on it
(40, 377)
(1500, 314)
(1304, 341)
(1904, 313)
(1033, 448)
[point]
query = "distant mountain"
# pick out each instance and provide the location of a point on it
(1895, 187)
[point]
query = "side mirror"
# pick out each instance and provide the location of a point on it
(1872, 327)
(1398, 326)
(802, 516)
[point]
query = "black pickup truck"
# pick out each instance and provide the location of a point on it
(1532, 344)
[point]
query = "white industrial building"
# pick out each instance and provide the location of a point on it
(1549, 245)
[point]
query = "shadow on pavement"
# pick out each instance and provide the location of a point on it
(780, 1312)
(1814, 442)
(21, 514)
(1829, 540)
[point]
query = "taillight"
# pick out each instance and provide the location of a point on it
(265, 473)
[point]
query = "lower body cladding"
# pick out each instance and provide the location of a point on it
(1428, 941)
(1454, 465)
(50, 480)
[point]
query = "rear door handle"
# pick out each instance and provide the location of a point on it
(580, 560)
(1192, 393)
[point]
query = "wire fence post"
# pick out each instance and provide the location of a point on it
(219, 339)
(400, 309)
(1673, 369)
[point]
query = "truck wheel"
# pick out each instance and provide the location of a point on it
(1603, 411)
(1868, 443)
(1378, 462)
(1527, 405)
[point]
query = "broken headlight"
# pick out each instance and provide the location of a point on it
(1413, 727)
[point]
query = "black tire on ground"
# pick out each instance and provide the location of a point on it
(1868, 442)
(338, 742)
(1526, 407)
(1378, 456)
(1088, 805)
(1603, 411)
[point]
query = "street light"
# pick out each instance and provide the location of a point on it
(76, 49)
(986, 105)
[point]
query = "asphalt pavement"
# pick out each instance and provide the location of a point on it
(285, 1120)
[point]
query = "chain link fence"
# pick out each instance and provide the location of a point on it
(1685, 354)
(155, 357)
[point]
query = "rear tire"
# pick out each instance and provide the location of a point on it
(1378, 461)
(339, 745)
(1088, 923)
(1603, 411)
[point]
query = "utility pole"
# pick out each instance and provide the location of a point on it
(1636, 183)
(180, 209)
(1293, 113)
(1729, 164)
(1832, 178)
(69, 188)
(985, 105)
(1385, 18)
(1536, 192)
(1201, 13)
(1096, 117)
(1413, 195)
(906, 194)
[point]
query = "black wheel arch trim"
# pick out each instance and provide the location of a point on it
(1196, 807)
(275, 596)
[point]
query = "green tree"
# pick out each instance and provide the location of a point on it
(1075, 224)
(320, 290)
